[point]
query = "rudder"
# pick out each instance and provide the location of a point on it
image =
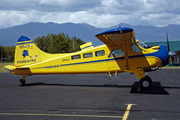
(26, 52)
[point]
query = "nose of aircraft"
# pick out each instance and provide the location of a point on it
(163, 54)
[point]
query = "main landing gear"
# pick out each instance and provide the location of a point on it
(22, 81)
(145, 83)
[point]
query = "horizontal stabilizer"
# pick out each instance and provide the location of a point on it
(18, 70)
(10, 68)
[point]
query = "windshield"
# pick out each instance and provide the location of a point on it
(143, 45)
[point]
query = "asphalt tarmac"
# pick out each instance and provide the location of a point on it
(90, 97)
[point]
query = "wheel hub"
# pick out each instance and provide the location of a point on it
(145, 83)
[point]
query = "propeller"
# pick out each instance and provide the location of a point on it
(167, 42)
(170, 54)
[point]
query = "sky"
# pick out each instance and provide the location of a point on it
(99, 13)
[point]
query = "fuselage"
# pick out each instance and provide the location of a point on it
(98, 60)
(120, 53)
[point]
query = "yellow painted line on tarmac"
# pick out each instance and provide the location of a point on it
(60, 115)
(126, 114)
(124, 117)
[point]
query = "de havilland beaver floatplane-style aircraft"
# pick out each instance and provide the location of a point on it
(121, 52)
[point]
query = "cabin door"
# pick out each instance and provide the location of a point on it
(116, 61)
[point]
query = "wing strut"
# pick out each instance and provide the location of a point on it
(126, 53)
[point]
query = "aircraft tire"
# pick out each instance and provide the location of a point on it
(23, 82)
(145, 83)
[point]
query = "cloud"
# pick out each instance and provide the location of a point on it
(68, 2)
(11, 18)
(19, 5)
(57, 2)
(99, 13)
(21, 17)
(161, 19)
(100, 20)
(56, 17)
(69, 5)
(104, 20)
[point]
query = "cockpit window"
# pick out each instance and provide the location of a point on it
(116, 53)
(143, 45)
(136, 49)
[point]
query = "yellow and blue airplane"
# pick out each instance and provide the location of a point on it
(121, 52)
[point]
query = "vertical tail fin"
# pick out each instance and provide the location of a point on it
(26, 52)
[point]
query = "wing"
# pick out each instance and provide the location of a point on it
(117, 36)
(122, 37)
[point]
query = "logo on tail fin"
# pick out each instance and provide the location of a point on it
(25, 53)
(27, 61)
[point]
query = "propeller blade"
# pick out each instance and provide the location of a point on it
(170, 54)
(167, 42)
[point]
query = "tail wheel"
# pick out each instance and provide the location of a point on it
(145, 83)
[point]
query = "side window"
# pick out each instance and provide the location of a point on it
(136, 48)
(88, 55)
(76, 57)
(116, 53)
(100, 53)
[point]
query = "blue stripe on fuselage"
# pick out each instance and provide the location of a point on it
(134, 56)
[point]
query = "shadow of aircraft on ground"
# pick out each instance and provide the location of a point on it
(156, 89)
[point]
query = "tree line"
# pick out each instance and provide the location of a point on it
(7, 53)
(60, 43)
(50, 43)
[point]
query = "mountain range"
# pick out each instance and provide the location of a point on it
(86, 32)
